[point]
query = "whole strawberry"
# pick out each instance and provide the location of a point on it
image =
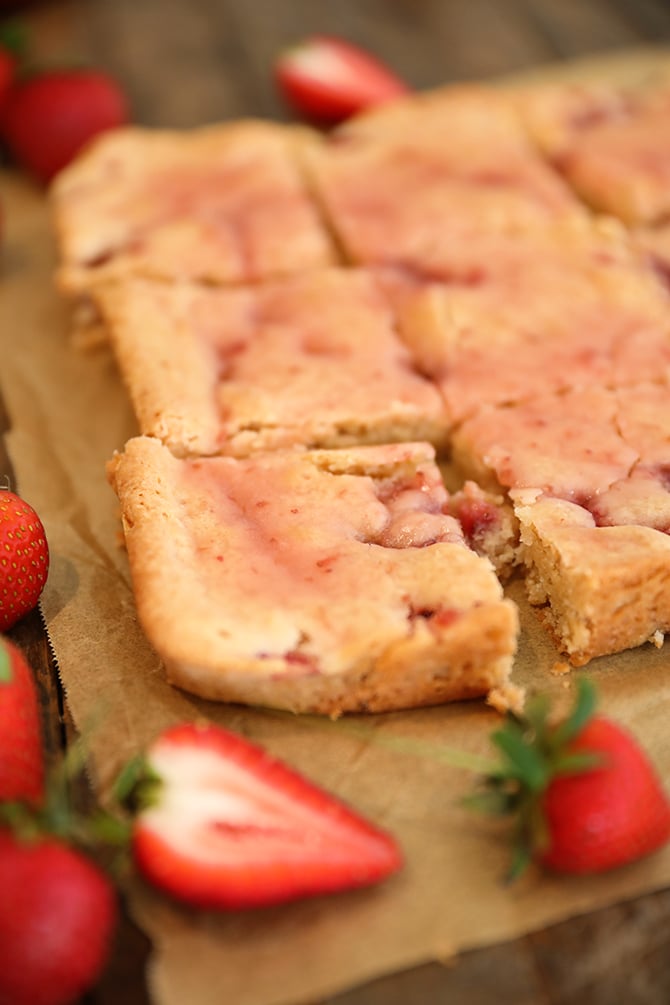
(584, 796)
(21, 759)
(7, 72)
(57, 918)
(24, 559)
(51, 115)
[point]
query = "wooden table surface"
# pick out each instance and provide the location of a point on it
(186, 62)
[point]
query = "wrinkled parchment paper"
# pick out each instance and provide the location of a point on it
(69, 413)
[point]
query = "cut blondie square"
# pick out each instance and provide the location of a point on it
(311, 360)
(612, 144)
(562, 307)
(315, 581)
(562, 445)
(600, 589)
(588, 474)
(220, 204)
(411, 187)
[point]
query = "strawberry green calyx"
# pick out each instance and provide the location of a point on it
(5, 666)
(534, 751)
(14, 38)
(138, 786)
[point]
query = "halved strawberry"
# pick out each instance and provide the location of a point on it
(222, 824)
(326, 79)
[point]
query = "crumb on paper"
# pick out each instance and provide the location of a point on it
(507, 698)
(657, 639)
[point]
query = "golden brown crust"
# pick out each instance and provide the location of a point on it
(433, 626)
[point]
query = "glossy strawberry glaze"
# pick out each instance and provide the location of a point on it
(293, 539)
(284, 357)
(434, 196)
(220, 209)
(618, 153)
(643, 418)
(565, 445)
(567, 307)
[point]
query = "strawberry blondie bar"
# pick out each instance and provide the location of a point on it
(322, 581)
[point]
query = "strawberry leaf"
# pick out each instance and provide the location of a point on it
(583, 710)
(14, 38)
(5, 666)
(528, 763)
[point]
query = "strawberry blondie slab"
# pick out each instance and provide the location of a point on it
(554, 308)
(220, 204)
(322, 581)
(611, 143)
(310, 360)
(418, 183)
(587, 472)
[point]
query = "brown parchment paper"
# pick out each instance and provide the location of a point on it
(68, 414)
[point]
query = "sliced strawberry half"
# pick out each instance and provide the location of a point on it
(222, 824)
(326, 79)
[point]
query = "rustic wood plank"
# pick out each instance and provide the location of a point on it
(650, 18)
(619, 954)
(475, 978)
(573, 27)
(427, 42)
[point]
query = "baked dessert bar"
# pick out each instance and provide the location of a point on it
(312, 360)
(563, 445)
(317, 581)
(220, 204)
(565, 306)
(599, 589)
(611, 143)
(588, 474)
(409, 187)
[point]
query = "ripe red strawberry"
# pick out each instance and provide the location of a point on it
(24, 559)
(7, 71)
(585, 796)
(57, 918)
(221, 824)
(50, 116)
(609, 815)
(326, 79)
(21, 759)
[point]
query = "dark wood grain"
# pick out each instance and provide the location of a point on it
(186, 63)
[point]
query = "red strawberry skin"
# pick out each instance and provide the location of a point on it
(233, 827)
(57, 918)
(21, 757)
(326, 79)
(24, 559)
(50, 116)
(7, 72)
(607, 816)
